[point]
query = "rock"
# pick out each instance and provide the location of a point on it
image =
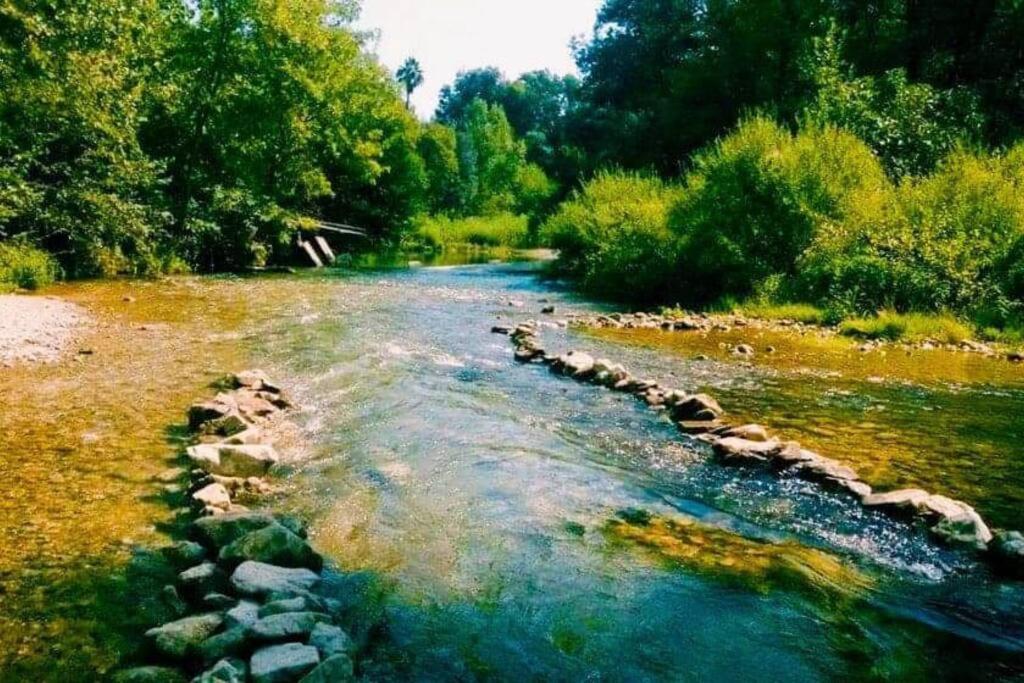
(213, 495)
(335, 669)
(233, 642)
(272, 544)
(250, 437)
(331, 640)
(502, 329)
(295, 604)
(748, 432)
(233, 461)
(217, 532)
(184, 554)
(699, 407)
(178, 639)
(698, 426)
(257, 578)
(576, 364)
(283, 663)
(245, 613)
(170, 597)
(745, 350)
(857, 488)
(734, 450)
(251, 379)
(904, 500)
(201, 413)
(548, 310)
(202, 579)
(286, 626)
(1007, 552)
(957, 522)
(149, 674)
(293, 524)
(218, 601)
(826, 468)
(225, 671)
(254, 407)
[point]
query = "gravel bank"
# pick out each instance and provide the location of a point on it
(36, 329)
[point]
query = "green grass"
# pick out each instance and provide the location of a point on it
(803, 313)
(24, 267)
(908, 327)
(500, 230)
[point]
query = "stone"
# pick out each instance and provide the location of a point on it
(734, 450)
(251, 379)
(748, 432)
(250, 437)
(257, 578)
(201, 413)
(245, 614)
(272, 544)
(826, 468)
(217, 532)
(698, 426)
(576, 364)
(233, 460)
(202, 579)
(697, 407)
(149, 674)
(234, 642)
(331, 640)
(184, 554)
(904, 500)
(745, 350)
(294, 604)
(252, 406)
(286, 626)
(502, 329)
(218, 601)
(170, 597)
(178, 639)
(213, 495)
(548, 310)
(334, 669)
(228, 670)
(957, 522)
(858, 488)
(1006, 551)
(293, 524)
(283, 663)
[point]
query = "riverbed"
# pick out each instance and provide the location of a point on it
(511, 523)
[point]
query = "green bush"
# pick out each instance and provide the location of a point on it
(23, 266)
(612, 237)
(500, 230)
(759, 197)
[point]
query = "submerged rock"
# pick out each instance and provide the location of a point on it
(331, 640)
(184, 554)
(257, 578)
(335, 669)
(274, 545)
(178, 639)
(283, 663)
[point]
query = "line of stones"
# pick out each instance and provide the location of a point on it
(246, 596)
(701, 417)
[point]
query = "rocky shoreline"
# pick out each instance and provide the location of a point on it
(701, 418)
(247, 598)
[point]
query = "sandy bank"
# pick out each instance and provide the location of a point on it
(37, 329)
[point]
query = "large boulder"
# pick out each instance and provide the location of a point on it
(232, 460)
(273, 544)
(699, 407)
(286, 626)
(283, 663)
(331, 640)
(179, 639)
(334, 669)
(222, 530)
(259, 579)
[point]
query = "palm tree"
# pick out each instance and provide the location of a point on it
(411, 76)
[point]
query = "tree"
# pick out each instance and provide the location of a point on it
(410, 74)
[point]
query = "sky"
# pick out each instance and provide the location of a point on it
(448, 36)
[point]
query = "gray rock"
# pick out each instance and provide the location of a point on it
(201, 413)
(697, 407)
(286, 626)
(184, 554)
(957, 522)
(283, 663)
(213, 495)
(225, 671)
(734, 450)
(334, 669)
(170, 597)
(218, 601)
(748, 432)
(202, 579)
(293, 604)
(217, 532)
(257, 578)
(1007, 552)
(234, 642)
(272, 544)
(245, 614)
(331, 640)
(904, 500)
(178, 639)
(576, 364)
(233, 461)
(149, 674)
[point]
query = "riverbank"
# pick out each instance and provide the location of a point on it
(37, 329)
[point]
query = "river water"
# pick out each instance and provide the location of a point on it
(500, 523)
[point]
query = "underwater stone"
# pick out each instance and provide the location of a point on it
(335, 669)
(281, 663)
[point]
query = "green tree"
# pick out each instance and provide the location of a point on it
(438, 147)
(410, 75)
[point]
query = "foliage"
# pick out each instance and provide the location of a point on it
(410, 75)
(909, 327)
(613, 238)
(438, 147)
(500, 230)
(24, 266)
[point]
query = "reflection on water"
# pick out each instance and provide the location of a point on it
(474, 495)
(943, 421)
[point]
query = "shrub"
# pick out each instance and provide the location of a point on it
(24, 266)
(612, 237)
(759, 197)
(500, 230)
(910, 326)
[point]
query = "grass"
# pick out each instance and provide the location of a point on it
(501, 230)
(24, 267)
(802, 313)
(893, 326)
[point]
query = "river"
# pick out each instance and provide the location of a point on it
(498, 522)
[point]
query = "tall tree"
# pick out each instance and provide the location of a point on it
(410, 75)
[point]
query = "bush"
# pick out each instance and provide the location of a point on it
(612, 237)
(759, 197)
(500, 230)
(911, 327)
(23, 266)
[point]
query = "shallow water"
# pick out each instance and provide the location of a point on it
(482, 498)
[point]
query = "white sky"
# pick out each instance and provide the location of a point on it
(449, 36)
